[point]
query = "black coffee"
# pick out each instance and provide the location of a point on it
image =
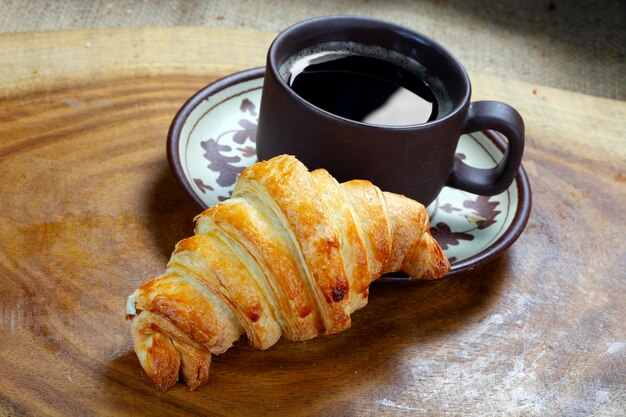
(365, 88)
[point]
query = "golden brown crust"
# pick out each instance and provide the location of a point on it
(156, 352)
(270, 249)
(427, 260)
(352, 247)
(289, 184)
(369, 206)
(407, 227)
(228, 275)
(182, 302)
(292, 253)
(194, 364)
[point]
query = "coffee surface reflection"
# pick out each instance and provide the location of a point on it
(364, 88)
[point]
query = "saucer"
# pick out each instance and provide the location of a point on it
(212, 139)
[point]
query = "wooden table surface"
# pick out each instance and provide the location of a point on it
(89, 210)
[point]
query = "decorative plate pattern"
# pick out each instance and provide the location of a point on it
(213, 139)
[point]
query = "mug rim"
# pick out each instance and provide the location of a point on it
(272, 64)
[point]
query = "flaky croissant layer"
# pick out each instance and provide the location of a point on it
(291, 254)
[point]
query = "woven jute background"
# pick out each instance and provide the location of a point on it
(577, 45)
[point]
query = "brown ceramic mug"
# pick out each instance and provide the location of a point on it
(416, 160)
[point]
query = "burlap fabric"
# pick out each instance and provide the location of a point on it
(575, 45)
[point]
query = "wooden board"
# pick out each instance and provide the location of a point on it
(89, 210)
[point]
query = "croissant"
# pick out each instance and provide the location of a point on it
(291, 254)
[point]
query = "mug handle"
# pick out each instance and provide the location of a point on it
(492, 115)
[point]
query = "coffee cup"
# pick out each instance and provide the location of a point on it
(368, 99)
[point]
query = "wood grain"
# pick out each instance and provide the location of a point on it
(89, 210)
